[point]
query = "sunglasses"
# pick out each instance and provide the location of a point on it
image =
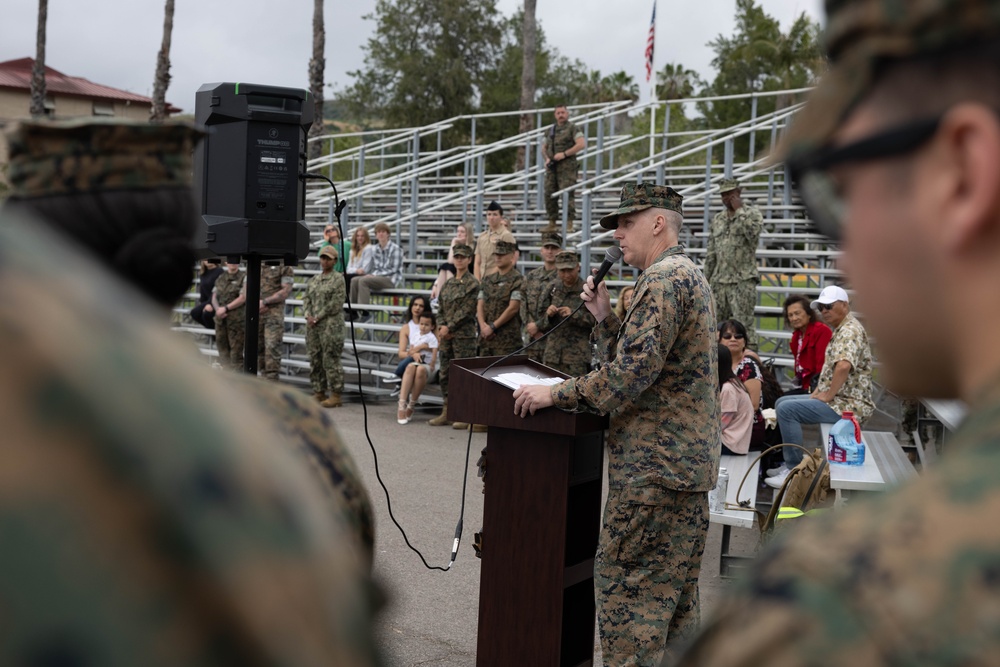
(825, 306)
(730, 335)
(819, 191)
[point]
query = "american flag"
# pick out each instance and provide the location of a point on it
(650, 41)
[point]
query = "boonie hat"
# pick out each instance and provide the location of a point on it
(639, 197)
(567, 260)
(830, 294)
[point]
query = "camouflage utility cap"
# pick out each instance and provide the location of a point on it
(567, 260)
(728, 185)
(68, 157)
(461, 250)
(551, 238)
(329, 251)
(862, 34)
(639, 197)
(504, 248)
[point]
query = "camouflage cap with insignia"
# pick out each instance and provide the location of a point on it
(329, 251)
(567, 260)
(728, 185)
(860, 36)
(639, 197)
(504, 248)
(552, 238)
(50, 158)
(461, 250)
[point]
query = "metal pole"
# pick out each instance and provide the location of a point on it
(666, 127)
(585, 229)
(727, 167)
(611, 158)
(361, 172)
(251, 344)
(652, 134)
(399, 210)
(753, 119)
(480, 184)
(465, 191)
(332, 139)
(770, 173)
(473, 131)
(708, 185)
(438, 157)
(599, 158)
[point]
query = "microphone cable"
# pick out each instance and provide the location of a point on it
(337, 211)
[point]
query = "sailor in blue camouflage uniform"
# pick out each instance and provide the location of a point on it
(659, 384)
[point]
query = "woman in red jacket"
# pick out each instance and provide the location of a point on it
(809, 340)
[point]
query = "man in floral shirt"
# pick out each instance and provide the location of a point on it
(845, 383)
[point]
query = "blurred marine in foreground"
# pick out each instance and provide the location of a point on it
(898, 152)
(151, 512)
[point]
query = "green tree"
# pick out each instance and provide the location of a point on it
(426, 60)
(759, 57)
(675, 82)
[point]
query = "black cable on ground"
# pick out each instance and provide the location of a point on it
(338, 209)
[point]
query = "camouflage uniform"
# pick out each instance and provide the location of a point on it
(148, 519)
(271, 329)
(660, 386)
(324, 300)
(496, 291)
(230, 333)
(309, 433)
(907, 577)
(536, 285)
(568, 348)
(558, 139)
(731, 263)
(457, 303)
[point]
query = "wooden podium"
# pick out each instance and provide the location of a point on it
(542, 517)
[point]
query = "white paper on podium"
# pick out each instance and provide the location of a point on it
(515, 380)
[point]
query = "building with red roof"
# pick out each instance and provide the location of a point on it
(66, 96)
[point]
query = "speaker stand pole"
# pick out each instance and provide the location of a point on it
(252, 314)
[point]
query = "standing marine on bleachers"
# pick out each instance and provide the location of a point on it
(275, 286)
(456, 321)
(731, 258)
(568, 347)
(229, 297)
(537, 284)
(323, 305)
(562, 143)
(487, 242)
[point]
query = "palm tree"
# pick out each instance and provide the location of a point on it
(317, 65)
(796, 58)
(617, 86)
(675, 82)
(529, 46)
(38, 71)
(161, 81)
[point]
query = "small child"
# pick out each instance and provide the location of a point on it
(423, 350)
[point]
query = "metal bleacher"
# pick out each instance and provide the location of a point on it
(405, 178)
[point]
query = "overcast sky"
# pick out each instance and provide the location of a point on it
(115, 42)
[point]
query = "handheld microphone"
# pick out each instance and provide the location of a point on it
(611, 257)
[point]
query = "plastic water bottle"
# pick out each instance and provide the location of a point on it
(845, 446)
(717, 496)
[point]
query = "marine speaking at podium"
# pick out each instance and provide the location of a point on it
(659, 384)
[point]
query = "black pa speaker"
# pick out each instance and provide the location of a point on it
(247, 171)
